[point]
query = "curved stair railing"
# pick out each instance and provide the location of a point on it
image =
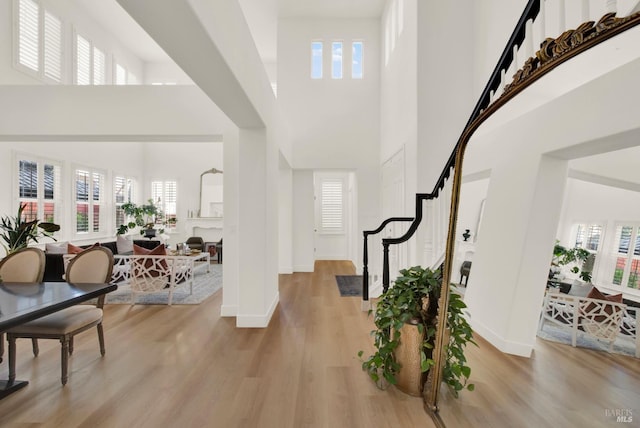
(497, 92)
(530, 26)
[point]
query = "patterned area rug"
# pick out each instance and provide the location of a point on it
(205, 284)
(552, 333)
(349, 285)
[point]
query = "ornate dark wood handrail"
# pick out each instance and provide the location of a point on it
(365, 252)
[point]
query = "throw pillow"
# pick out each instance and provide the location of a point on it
(56, 247)
(73, 249)
(124, 244)
(153, 266)
(589, 307)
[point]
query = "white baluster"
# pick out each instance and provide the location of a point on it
(528, 39)
(562, 17)
(586, 14)
(514, 63)
(542, 19)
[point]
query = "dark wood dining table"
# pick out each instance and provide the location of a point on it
(21, 303)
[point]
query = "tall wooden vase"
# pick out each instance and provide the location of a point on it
(410, 378)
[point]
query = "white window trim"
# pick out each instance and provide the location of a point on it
(321, 227)
(104, 217)
(40, 72)
(92, 48)
(40, 200)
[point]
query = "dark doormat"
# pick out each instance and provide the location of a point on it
(349, 285)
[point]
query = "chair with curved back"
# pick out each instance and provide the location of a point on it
(92, 266)
(195, 243)
(26, 265)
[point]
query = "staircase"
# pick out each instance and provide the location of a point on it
(562, 29)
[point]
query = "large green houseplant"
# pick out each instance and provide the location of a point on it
(18, 233)
(414, 299)
(139, 215)
(574, 257)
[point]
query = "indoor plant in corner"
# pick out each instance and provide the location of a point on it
(17, 233)
(412, 303)
(576, 258)
(141, 215)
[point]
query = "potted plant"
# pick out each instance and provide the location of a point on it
(563, 256)
(140, 215)
(413, 301)
(17, 233)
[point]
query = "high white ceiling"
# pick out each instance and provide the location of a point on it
(262, 18)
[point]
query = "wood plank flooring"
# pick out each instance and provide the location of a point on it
(185, 366)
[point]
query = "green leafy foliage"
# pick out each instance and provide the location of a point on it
(17, 233)
(414, 298)
(142, 216)
(563, 256)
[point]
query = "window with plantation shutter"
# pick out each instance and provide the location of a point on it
(39, 40)
(52, 47)
(165, 197)
(29, 34)
(121, 75)
(331, 205)
(88, 186)
(83, 61)
(39, 188)
(123, 192)
(99, 67)
(589, 236)
(626, 260)
(90, 63)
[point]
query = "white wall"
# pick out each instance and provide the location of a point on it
(333, 124)
(285, 218)
(303, 221)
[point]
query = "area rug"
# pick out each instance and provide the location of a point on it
(205, 284)
(560, 335)
(349, 285)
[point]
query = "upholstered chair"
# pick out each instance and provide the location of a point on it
(195, 243)
(92, 266)
(26, 265)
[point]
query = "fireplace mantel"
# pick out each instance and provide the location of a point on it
(191, 224)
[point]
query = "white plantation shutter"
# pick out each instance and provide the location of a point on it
(121, 75)
(28, 34)
(331, 206)
(83, 61)
(99, 67)
(52, 47)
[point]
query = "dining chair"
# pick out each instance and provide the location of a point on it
(26, 265)
(92, 266)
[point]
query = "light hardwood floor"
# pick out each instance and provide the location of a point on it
(185, 366)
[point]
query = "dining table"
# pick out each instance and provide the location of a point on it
(22, 302)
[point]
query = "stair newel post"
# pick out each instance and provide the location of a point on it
(365, 269)
(385, 267)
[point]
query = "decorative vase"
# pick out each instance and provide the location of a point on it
(466, 235)
(149, 233)
(407, 354)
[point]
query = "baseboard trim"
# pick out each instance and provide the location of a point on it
(513, 348)
(258, 321)
(285, 270)
(228, 310)
(303, 268)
